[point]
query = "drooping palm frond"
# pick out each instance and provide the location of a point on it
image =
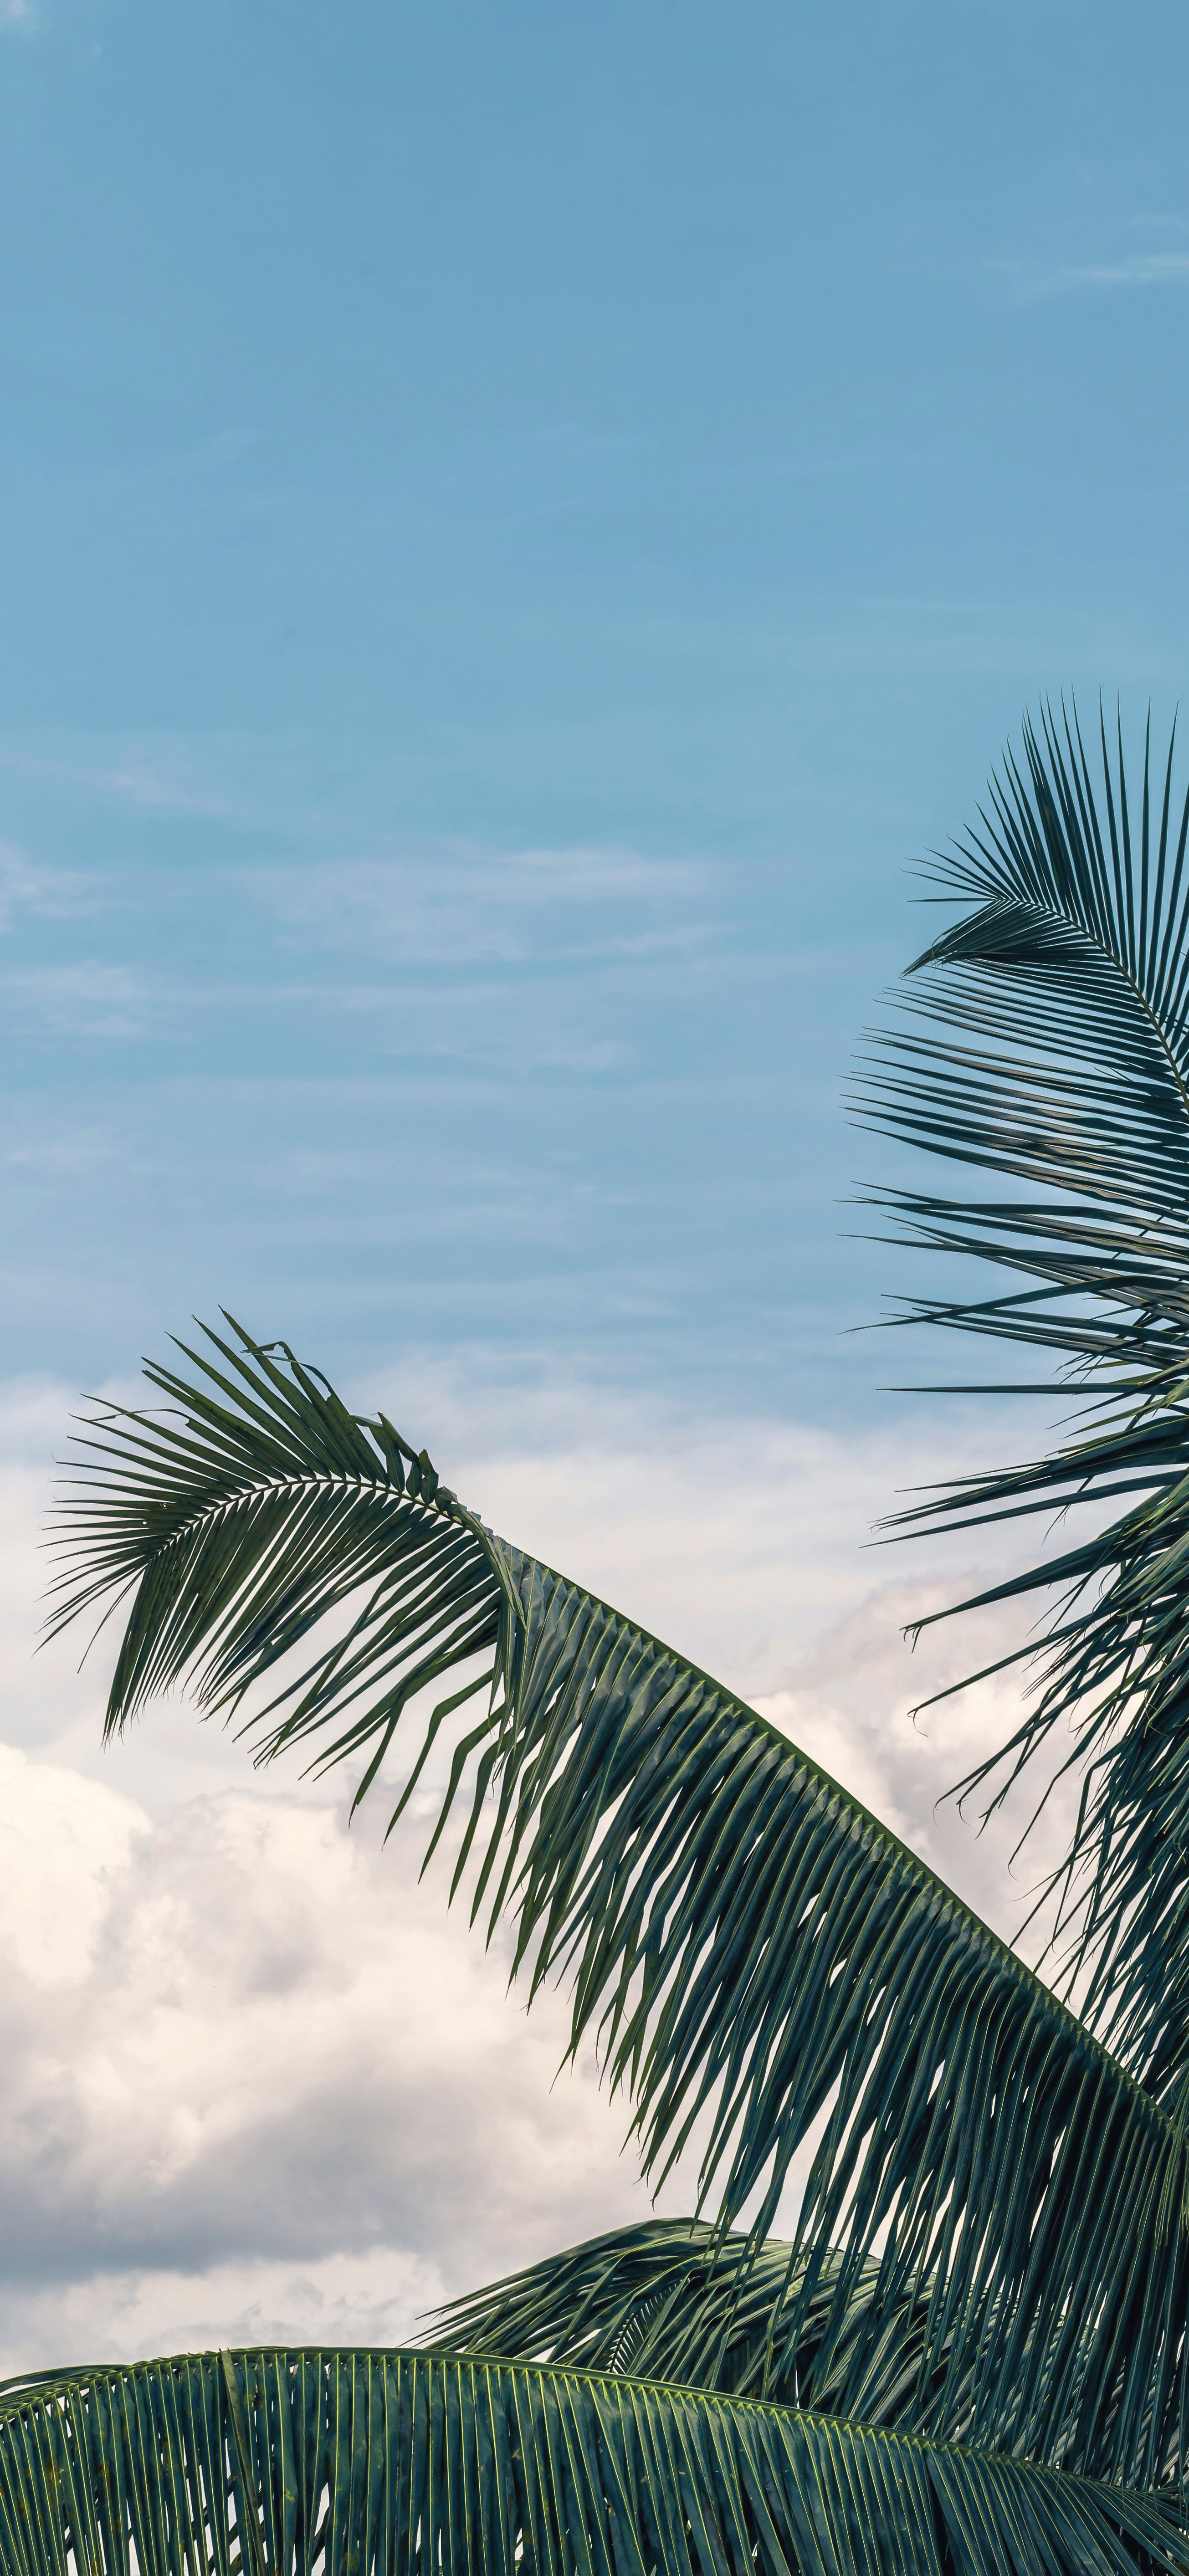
(402, 2464)
(1045, 1039)
(749, 1943)
(675, 2299)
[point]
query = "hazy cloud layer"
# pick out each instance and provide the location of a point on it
(1160, 261)
(258, 2083)
(28, 890)
(457, 907)
(454, 1089)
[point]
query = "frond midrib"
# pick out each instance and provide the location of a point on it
(977, 1937)
(980, 1935)
(1046, 912)
(18, 2394)
(222, 1506)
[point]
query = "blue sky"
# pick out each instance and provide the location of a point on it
(513, 527)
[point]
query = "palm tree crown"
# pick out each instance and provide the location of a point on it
(972, 2353)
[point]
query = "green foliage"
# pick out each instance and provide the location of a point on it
(972, 2354)
(744, 1938)
(262, 2463)
(1045, 1039)
(677, 2300)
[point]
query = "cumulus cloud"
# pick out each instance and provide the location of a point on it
(254, 2080)
(243, 2048)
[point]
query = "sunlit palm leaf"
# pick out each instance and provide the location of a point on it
(1045, 1038)
(751, 1944)
(344, 2463)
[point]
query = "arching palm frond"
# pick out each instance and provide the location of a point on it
(1045, 1039)
(674, 2299)
(321, 2463)
(748, 1942)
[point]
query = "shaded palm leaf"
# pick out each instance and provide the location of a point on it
(287, 2463)
(1045, 1038)
(750, 1945)
(674, 2299)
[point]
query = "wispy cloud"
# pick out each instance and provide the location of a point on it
(67, 1151)
(453, 907)
(1033, 282)
(89, 999)
(169, 777)
(31, 892)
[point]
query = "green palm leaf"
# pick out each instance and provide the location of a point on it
(747, 1941)
(1045, 1039)
(284, 2463)
(674, 2299)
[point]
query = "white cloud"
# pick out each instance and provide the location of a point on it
(266, 2048)
(28, 890)
(380, 2297)
(166, 774)
(254, 2080)
(87, 999)
(66, 1150)
(63, 1841)
(1035, 281)
(458, 907)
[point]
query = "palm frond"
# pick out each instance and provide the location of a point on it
(320, 2463)
(675, 2299)
(1045, 1039)
(750, 1946)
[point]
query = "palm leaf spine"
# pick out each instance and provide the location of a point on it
(272, 2463)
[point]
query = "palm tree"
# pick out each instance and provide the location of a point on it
(972, 2354)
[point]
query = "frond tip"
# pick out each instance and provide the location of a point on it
(1044, 1040)
(243, 1514)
